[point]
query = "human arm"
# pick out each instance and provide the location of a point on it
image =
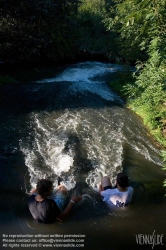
(66, 211)
(33, 191)
(100, 188)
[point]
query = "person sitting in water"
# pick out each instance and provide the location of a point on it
(46, 210)
(120, 196)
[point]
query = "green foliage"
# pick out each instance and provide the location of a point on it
(122, 78)
(6, 80)
(141, 38)
(141, 28)
(53, 30)
(149, 88)
(137, 23)
(163, 154)
(93, 36)
(28, 29)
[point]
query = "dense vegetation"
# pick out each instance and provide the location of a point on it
(141, 39)
(33, 31)
(129, 31)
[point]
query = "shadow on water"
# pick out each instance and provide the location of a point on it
(30, 97)
(81, 164)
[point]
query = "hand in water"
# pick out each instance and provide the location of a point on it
(33, 191)
(76, 199)
(62, 188)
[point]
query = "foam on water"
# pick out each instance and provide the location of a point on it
(63, 138)
(48, 158)
(83, 79)
(84, 72)
(45, 157)
(103, 141)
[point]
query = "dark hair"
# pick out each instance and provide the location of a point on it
(122, 180)
(44, 187)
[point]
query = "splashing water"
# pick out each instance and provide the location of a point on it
(80, 140)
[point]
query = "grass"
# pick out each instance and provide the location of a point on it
(155, 132)
(118, 85)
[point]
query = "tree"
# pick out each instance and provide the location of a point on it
(34, 30)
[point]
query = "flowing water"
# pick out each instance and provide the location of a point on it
(69, 123)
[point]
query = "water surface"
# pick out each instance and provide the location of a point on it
(71, 124)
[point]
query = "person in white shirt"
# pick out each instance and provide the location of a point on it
(120, 196)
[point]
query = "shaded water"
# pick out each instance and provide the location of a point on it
(72, 124)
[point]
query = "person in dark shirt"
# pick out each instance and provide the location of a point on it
(46, 210)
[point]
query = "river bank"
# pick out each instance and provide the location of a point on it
(157, 132)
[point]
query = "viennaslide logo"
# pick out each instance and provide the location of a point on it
(150, 239)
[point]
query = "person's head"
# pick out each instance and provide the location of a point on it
(44, 187)
(122, 180)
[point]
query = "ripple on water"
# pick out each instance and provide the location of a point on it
(84, 144)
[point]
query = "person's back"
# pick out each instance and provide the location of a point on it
(116, 197)
(120, 196)
(46, 210)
